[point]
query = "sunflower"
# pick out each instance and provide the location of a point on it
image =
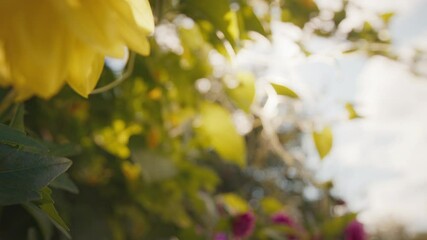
(47, 43)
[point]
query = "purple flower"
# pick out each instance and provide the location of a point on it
(283, 219)
(355, 231)
(243, 225)
(220, 236)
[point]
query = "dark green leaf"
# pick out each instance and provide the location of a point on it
(44, 224)
(63, 150)
(23, 173)
(17, 121)
(15, 138)
(65, 183)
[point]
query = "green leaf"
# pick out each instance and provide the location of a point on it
(65, 183)
(16, 138)
(17, 121)
(47, 205)
(323, 141)
(44, 224)
(352, 114)
(351, 50)
(45, 209)
(333, 228)
(216, 130)
(243, 95)
(271, 205)
(248, 20)
(155, 166)
(218, 13)
(386, 17)
(25, 167)
(63, 150)
(284, 91)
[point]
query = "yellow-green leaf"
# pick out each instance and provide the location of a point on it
(284, 91)
(46, 204)
(323, 141)
(386, 17)
(234, 204)
(352, 114)
(248, 21)
(216, 130)
(270, 205)
(243, 95)
(216, 12)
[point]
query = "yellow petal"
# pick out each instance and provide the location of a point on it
(142, 14)
(84, 69)
(36, 56)
(5, 77)
(135, 22)
(93, 22)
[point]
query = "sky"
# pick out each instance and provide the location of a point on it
(378, 163)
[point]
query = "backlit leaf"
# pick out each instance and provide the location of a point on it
(234, 204)
(333, 228)
(218, 13)
(271, 205)
(249, 21)
(243, 95)
(352, 114)
(216, 130)
(323, 141)
(284, 91)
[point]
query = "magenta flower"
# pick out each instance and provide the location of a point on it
(243, 225)
(220, 236)
(355, 231)
(284, 219)
(281, 218)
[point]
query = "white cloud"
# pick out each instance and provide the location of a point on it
(379, 163)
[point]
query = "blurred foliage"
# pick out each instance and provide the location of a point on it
(161, 155)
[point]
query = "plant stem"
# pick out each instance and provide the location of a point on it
(7, 101)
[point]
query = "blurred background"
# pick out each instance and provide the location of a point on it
(377, 162)
(258, 119)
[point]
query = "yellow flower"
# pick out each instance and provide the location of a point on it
(47, 43)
